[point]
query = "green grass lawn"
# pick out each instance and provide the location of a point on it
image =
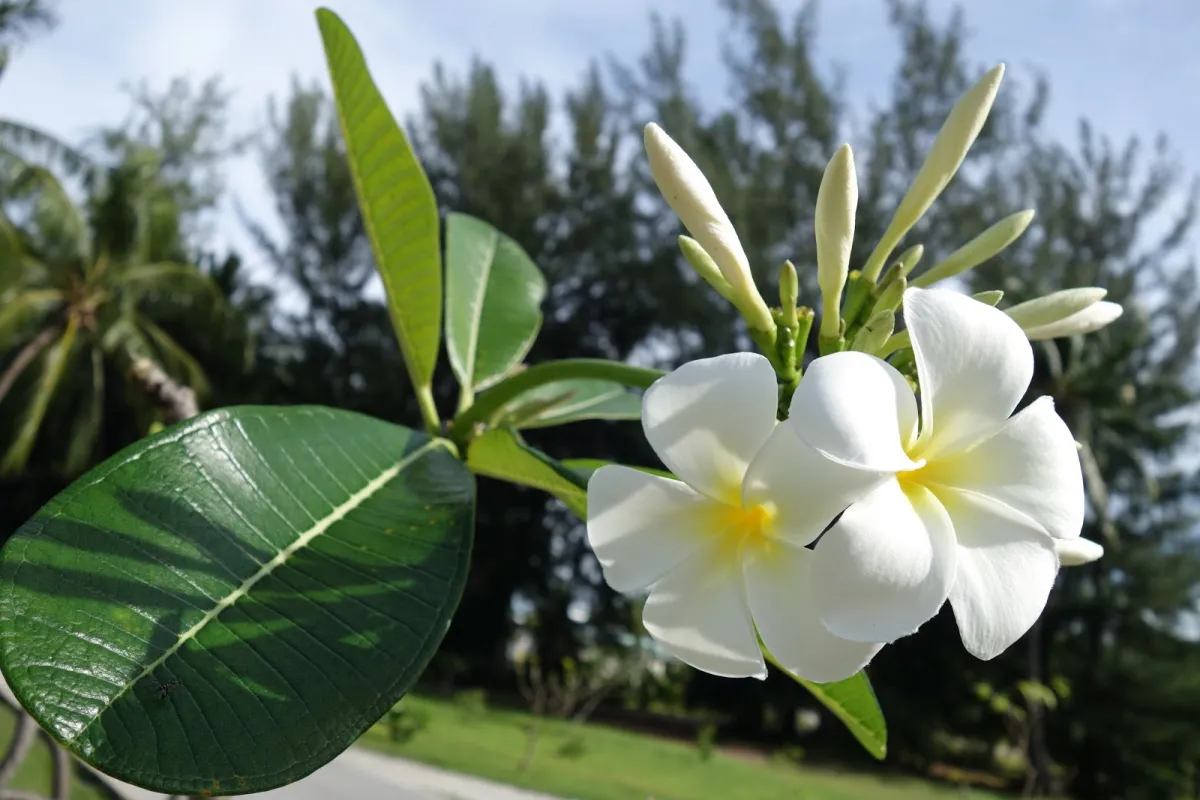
(37, 769)
(618, 765)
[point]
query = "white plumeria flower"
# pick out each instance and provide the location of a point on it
(722, 549)
(967, 508)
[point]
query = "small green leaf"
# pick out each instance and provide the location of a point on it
(226, 606)
(398, 207)
(498, 453)
(560, 402)
(586, 466)
(853, 702)
(494, 294)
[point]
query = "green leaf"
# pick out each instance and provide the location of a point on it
(509, 389)
(853, 702)
(586, 466)
(560, 402)
(498, 453)
(226, 606)
(398, 207)
(494, 294)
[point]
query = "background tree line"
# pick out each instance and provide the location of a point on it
(104, 260)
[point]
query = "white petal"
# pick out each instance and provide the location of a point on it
(707, 420)
(642, 526)
(856, 409)
(887, 565)
(1031, 465)
(973, 362)
(781, 601)
(1076, 552)
(804, 489)
(1006, 567)
(698, 612)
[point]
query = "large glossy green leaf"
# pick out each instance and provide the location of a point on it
(498, 453)
(398, 207)
(494, 294)
(560, 402)
(853, 702)
(226, 606)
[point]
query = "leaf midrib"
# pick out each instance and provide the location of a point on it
(354, 501)
(476, 319)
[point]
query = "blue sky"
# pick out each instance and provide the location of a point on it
(1130, 66)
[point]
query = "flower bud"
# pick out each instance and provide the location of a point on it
(691, 197)
(949, 148)
(979, 249)
(909, 258)
(1064, 313)
(1091, 319)
(1074, 552)
(705, 267)
(875, 332)
(990, 297)
(837, 200)
(789, 294)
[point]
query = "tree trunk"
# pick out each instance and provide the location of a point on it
(177, 402)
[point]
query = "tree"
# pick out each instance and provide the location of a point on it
(108, 290)
(76, 313)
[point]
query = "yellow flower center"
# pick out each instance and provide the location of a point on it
(744, 527)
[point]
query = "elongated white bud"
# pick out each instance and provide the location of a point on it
(945, 156)
(837, 200)
(691, 197)
(979, 249)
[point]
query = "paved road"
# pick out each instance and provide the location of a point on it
(366, 775)
(360, 774)
(346, 777)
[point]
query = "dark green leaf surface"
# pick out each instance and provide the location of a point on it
(224, 607)
(561, 402)
(494, 295)
(398, 207)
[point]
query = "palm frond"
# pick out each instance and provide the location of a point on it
(86, 430)
(34, 145)
(27, 356)
(17, 455)
(20, 311)
(166, 277)
(59, 219)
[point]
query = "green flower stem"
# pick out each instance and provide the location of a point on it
(766, 341)
(428, 409)
(858, 291)
(512, 387)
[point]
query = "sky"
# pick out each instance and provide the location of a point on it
(1130, 66)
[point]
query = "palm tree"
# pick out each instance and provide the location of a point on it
(88, 293)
